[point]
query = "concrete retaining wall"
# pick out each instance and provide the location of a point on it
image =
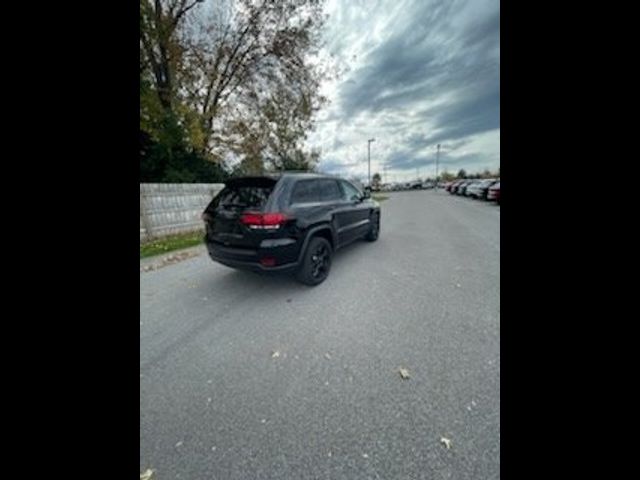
(170, 208)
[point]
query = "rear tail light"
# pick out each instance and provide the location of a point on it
(269, 221)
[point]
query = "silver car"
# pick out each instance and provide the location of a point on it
(480, 189)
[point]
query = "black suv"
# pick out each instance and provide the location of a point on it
(288, 223)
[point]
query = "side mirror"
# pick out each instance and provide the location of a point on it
(366, 194)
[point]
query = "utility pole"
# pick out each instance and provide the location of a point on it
(369, 149)
(385, 172)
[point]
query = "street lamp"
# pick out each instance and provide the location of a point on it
(369, 149)
(437, 158)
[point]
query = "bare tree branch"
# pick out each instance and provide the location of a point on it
(182, 11)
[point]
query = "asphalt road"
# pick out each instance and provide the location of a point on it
(215, 403)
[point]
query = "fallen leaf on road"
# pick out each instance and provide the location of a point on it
(364, 455)
(275, 354)
(446, 442)
(146, 475)
(327, 356)
(404, 373)
(179, 444)
(457, 285)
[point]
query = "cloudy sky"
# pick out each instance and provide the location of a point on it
(419, 73)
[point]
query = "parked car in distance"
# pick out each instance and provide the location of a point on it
(479, 189)
(462, 189)
(494, 192)
(454, 187)
(469, 185)
(447, 186)
(288, 223)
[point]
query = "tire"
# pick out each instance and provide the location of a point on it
(316, 262)
(374, 232)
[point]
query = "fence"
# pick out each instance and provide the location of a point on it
(170, 208)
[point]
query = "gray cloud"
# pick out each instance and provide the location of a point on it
(472, 113)
(429, 74)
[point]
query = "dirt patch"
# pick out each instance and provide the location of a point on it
(170, 260)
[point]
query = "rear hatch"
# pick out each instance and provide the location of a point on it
(223, 215)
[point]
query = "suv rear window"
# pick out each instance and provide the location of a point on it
(248, 193)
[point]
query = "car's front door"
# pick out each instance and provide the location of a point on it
(352, 214)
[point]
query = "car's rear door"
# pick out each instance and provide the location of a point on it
(305, 202)
(314, 200)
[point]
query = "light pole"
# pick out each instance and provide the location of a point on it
(437, 158)
(369, 149)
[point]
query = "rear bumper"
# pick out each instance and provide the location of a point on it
(284, 251)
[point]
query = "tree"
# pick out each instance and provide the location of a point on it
(278, 127)
(447, 177)
(462, 173)
(376, 180)
(160, 48)
(298, 159)
(236, 67)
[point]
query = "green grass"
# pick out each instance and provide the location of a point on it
(380, 198)
(168, 244)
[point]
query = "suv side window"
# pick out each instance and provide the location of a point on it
(306, 191)
(350, 193)
(329, 191)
